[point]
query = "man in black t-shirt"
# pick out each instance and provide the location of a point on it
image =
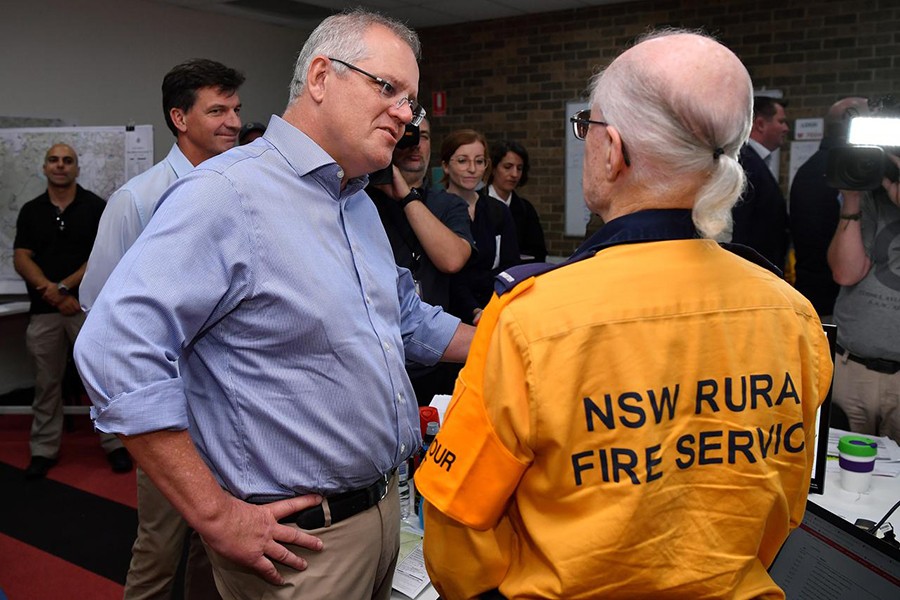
(54, 236)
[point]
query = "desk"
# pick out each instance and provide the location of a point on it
(16, 370)
(14, 308)
(873, 505)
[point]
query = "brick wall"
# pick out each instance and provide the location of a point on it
(512, 77)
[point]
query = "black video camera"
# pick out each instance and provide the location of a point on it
(385, 176)
(864, 162)
(860, 167)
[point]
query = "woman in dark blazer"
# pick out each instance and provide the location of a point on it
(509, 171)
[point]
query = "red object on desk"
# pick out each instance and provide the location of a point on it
(428, 414)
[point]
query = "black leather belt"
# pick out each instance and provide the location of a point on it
(879, 365)
(341, 506)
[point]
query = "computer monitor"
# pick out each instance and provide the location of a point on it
(823, 416)
(828, 558)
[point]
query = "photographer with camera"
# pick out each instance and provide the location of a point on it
(815, 211)
(429, 232)
(865, 261)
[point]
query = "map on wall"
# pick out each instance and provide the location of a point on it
(108, 157)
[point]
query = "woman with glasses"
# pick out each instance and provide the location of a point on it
(509, 170)
(464, 158)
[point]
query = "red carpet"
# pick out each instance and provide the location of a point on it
(68, 536)
(82, 463)
(27, 573)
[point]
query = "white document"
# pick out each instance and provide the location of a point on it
(410, 577)
(441, 402)
(138, 150)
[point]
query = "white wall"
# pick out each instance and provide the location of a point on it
(101, 62)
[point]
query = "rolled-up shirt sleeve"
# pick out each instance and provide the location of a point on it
(191, 267)
(426, 329)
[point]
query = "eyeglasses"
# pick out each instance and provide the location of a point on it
(465, 161)
(581, 122)
(390, 92)
(59, 219)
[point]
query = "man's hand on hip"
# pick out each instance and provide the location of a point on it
(250, 535)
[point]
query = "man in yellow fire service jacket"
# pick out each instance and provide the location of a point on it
(638, 423)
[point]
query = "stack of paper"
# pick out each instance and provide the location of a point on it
(410, 576)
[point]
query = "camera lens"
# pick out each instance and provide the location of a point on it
(855, 167)
(861, 169)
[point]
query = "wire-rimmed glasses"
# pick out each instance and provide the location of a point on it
(388, 90)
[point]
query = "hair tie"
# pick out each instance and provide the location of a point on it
(717, 153)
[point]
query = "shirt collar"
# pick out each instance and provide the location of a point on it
(493, 192)
(308, 158)
(78, 192)
(644, 226)
(179, 161)
(759, 148)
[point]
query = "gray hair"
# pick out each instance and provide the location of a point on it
(342, 36)
(673, 135)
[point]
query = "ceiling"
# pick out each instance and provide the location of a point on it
(306, 14)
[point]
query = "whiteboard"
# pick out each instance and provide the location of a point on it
(577, 213)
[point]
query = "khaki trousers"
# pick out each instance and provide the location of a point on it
(870, 399)
(357, 561)
(48, 339)
(158, 549)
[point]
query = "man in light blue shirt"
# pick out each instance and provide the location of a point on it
(202, 109)
(130, 208)
(250, 347)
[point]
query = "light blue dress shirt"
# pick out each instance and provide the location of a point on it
(126, 215)
(277, 295)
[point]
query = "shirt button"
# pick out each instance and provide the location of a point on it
(340, 174)
(387, 347)
(402, 448)
(368, 300)
(399, 398)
